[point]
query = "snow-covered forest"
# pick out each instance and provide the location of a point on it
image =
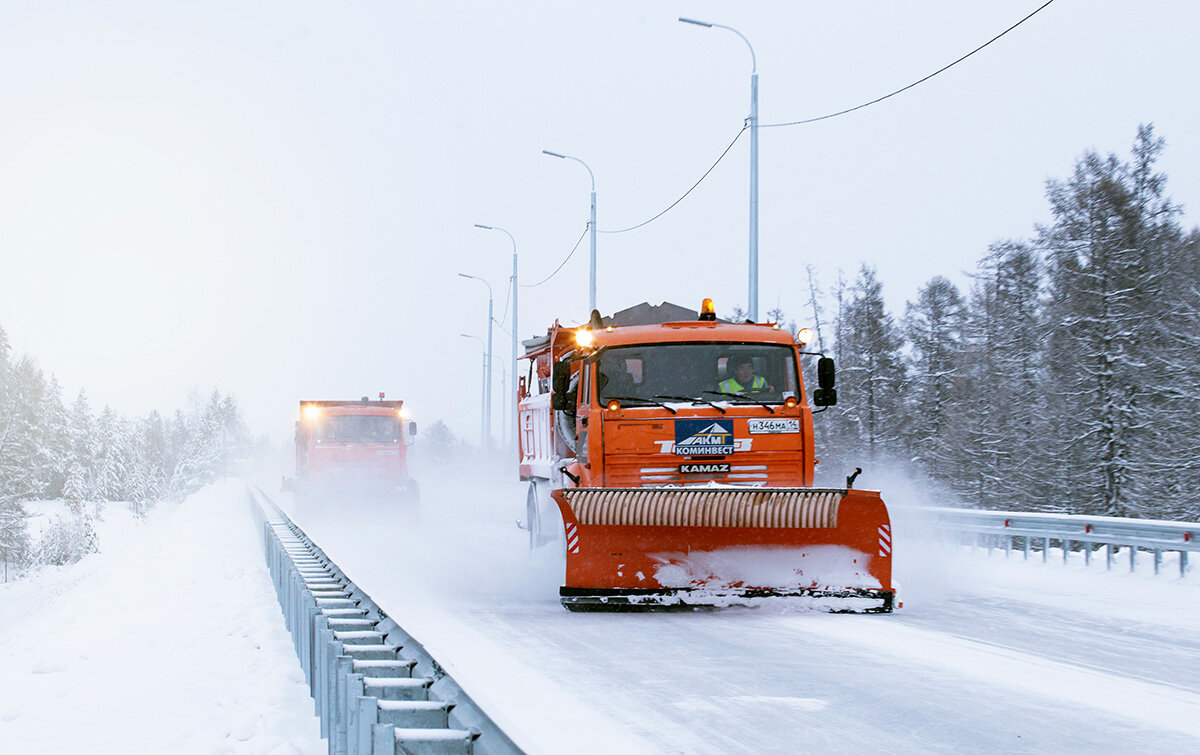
(52, 451)
(1065, 379)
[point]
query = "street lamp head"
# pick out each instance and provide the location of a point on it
(553, 154)
(705, 24)
(484, 227)
(464, 275)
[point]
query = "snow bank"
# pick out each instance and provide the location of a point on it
(168, 640)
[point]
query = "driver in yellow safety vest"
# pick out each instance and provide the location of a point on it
(744, 380)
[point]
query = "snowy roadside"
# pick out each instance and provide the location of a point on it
(169, 640)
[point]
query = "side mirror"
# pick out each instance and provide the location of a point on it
(826, 394)
(412, 429)
(826, 374)
(560, 384)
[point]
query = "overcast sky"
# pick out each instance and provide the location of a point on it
(274, 199)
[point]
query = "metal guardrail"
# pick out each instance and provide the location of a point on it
(1005, 528)
(375, 688)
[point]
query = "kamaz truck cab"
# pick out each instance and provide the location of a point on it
(353, 450)
(677, 457)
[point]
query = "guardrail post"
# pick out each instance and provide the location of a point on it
(354, 691)
(333, 649)
(1157, 560)
(1087, 554)
(306, 627)
(1028, 539)
(318, 662)
(337, 740)
(383, 739)
(1183, 563)
(1110, 556)
(1133, 558)
(1045, 549)
(1066, 550)
(368, 716)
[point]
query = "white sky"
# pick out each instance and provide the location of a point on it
(273, 199)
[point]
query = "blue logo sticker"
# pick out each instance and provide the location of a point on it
(703, 437)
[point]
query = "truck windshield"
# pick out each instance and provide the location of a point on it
(358, 428)
(754, 373)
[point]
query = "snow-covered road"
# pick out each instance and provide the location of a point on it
(987, 654)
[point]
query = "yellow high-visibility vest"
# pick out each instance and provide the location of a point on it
(731, 385)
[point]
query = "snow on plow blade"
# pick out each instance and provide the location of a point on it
(632, 549)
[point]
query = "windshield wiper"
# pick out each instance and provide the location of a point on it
(645, 400)
(766, 406)
(693, 399)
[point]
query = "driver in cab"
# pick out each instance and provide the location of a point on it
(744, 381)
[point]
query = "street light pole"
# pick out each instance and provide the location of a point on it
(483, 391)
(503, 392)
(752, 304)
(487, 410)
(516, 437)
(591, 225)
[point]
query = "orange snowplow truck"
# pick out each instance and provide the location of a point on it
(676, 458)
(350, 450)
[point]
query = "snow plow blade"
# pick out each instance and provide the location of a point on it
(643, 549)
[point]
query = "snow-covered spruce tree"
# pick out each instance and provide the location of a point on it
(869, 418)
(1107, 249)
(14, 536)
(112, 466)
(78, 487)
(22, 474)
(85, 448)
(55, 447)
(206, 443)
(148, 457)
(997, 408)
(440, 445)
(933, 325)
(66, 540)
(1169, 445)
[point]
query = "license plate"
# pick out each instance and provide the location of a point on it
(773, 426)
(703, 468)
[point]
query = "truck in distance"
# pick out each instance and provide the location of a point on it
(348, 451)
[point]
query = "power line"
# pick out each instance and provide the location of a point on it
(812, 120)
(507, 301)
(560, 267)
(689, 191)
(915, 83)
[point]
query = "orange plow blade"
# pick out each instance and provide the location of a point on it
(632, 549)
